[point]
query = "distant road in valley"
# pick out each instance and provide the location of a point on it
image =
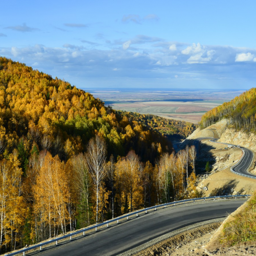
(244, 164)
(136, 232)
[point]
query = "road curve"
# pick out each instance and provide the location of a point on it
(133, 233)
(245, 162)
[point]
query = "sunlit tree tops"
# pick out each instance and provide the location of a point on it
(60, 118)
(241, 112)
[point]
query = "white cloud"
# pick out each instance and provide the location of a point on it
(242, 57)
(201, 57)
(166, 60)
(76, 54)
(139, 39)
(142, 39)
(195, 48)
(73, 47)
(137, 19)
(23, 28)
(151, 17)
(173, 47)
(88, 42)
(131, 17)
(126, 44)
(146, 62)
(14, 51)
(75, 25)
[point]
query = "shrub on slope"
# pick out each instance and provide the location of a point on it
(243, 227)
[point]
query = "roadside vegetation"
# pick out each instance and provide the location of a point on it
(241, 115)
(67, 161)
(242, 228)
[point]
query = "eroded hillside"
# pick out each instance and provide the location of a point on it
(221, 180)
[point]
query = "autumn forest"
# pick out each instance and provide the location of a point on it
(68, 161)
(240, 112)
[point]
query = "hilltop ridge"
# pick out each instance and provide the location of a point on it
(61, 118)
(240, 112)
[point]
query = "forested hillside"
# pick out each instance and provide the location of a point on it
(55, 116)
(67, 161)
(163, 125)
(241, 112)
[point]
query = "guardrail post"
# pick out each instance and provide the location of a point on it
(56, 242)
(146, 211)
(155, 208)
(96, 228)
(40, 247)
(23, 253)
(117, 221)
(70, 238)
(127, 217)
(137, 214)
(83, 233)
(107, 225)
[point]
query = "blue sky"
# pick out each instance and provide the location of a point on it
(140, 44)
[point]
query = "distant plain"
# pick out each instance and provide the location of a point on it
(172, 104)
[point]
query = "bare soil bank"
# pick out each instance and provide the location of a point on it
(193, 243)
(187, 243)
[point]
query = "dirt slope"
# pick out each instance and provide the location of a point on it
(221, 180)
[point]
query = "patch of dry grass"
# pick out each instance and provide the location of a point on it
(242, 228)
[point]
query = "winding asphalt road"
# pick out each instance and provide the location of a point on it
(133, 233)
(136, 232)
(243, 165)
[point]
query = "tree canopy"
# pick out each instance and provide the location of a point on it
(67, 160)
(39, 111)
(241, 112)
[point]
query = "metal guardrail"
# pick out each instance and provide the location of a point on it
(116, 220)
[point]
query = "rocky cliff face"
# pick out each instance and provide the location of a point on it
(239, 138)
(242, 139)
(221, 180)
